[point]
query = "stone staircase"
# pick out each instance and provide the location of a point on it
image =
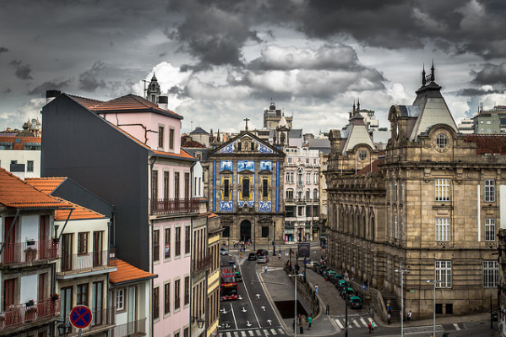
(390, 299)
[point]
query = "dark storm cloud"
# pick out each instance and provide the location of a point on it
(491, 74)
(477, 92)
(3, 50)
(49, 85)
(213, 33)
(89, 81)
(23, 71)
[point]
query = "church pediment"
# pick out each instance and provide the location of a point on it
(247, 143)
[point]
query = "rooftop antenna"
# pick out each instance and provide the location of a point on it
(145, 89)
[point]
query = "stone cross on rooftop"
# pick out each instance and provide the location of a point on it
(246, 120)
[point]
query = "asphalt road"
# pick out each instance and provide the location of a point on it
(251, 315)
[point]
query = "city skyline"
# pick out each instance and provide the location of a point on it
(222, 61)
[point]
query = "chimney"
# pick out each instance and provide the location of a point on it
(52, 94)
(163, 102)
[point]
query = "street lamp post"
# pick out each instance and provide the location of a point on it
(434, 318)
(401, 272)
(295, 317)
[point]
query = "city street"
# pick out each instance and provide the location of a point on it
(251, 315)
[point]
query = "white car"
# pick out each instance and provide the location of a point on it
(262, 259)
(223, 251)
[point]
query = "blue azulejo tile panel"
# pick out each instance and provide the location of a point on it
(226, 206)
(265, 206)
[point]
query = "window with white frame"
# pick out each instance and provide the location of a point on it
(308, 178)
(490, 274)
(444, 274)
(289, 194)
(490, 229)
(316, 178)
(442, 189)
(443, 229)
(120, 299)
(489, 190)
(287, 177)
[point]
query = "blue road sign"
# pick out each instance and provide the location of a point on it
(80, 316)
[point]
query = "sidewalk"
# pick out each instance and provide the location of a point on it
(279, 287)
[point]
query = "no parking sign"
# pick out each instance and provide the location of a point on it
(80, 316)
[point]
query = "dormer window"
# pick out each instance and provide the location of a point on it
(362, 155)
(442, 141)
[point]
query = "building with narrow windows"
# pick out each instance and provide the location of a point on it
(428, 211)
(245, 188)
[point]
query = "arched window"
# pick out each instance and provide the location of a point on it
(315, 194)
(308, 194)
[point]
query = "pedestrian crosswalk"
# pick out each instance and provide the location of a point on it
(267, 332)
(353, 322)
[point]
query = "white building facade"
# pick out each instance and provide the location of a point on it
(302, 194)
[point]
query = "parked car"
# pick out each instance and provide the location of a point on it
(334, 278)
(262, 259)
(347, 291)
(262, 252)
(354, 302)
(238, 276)
(252, 257)
(223, 251)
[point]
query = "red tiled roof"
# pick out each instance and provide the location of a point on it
(48, 185)
(488, 143)
(87, 102)
(182, 154)
(375, 168)
(188, 142)
(20, 145)
(129, 102)
(126, 272)
(16, 193)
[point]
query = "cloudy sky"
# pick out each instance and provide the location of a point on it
(223, 60)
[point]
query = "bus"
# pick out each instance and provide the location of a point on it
(228, 284)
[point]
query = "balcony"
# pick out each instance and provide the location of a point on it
(29, 252)
(136, 328)
(103, 320)
(202, 264)
(174, 206)
(21, 315)
(72, 264)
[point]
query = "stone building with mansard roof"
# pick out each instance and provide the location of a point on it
(431, 206)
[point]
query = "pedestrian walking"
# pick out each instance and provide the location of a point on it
(370, 327)
(410, 316)
(265, 269)
(279, 256)
(327, 309)
(299, 319)
(309, 321)
(316, 289)
(389, 317)
(301, 330)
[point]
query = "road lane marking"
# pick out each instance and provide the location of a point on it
(355, 322)
(233, 314)
(274, 332)
(243, 333)
(251, 302)
(259, 333)
(251, 333)
(229, 334)
(363, 321)
(236, 334)
(456, 326)
(339, 323)
(369, 319)
(266, 332)
(281, 332)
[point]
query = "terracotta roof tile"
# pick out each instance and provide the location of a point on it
(375, 167)
(126, 272)
(48, 185)
(16, 193)
(488, 143)
(130, 102)
(183, 154)
(87, 102)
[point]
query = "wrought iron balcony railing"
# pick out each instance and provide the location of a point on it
(21, 314)
(173, 206)
(29, 252)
